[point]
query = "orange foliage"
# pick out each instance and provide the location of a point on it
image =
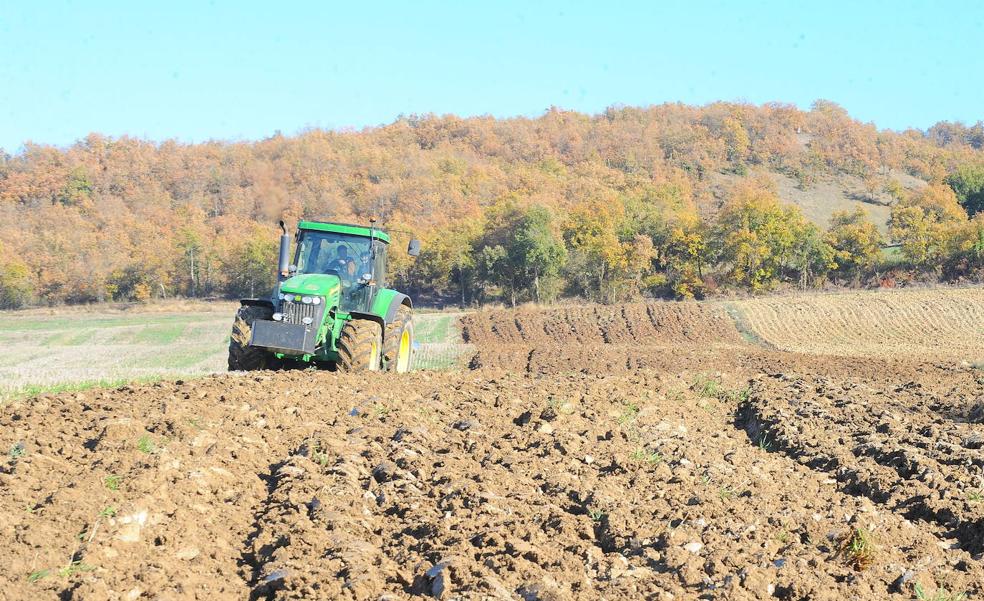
(127, 218)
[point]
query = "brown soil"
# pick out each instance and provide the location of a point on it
(912, 446)
(616, 452)
(649, 324)
(600, 339)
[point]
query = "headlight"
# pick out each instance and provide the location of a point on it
(307, 321)
(306, 300)
(278, 316)
(281, 296)
(289, 297)
(316, 300)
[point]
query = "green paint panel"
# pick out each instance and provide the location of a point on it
(343, 228)
(313, 284)
(382, 302)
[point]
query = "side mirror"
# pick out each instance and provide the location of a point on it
(414, 248)
(292, 269)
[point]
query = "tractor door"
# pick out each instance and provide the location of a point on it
(378, 273)
(360, 297)
(379, 265)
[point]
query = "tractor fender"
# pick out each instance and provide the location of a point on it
(383, 318)
(398, 299)
(387, 302)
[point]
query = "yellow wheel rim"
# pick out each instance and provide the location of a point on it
(403, 354)
(374, 356)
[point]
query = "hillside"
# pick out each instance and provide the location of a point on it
(821, 200)
(122, 219)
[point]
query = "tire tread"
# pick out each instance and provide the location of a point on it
(355, 345)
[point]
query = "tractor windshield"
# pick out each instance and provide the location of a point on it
(347, 256)
(327, 252)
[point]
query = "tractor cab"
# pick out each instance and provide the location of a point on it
(356, 259)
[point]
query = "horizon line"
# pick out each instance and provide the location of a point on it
(357, 129)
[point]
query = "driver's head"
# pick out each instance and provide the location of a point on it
(342, 252)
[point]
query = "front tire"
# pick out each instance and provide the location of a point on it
(359, 346)
(242, 356)
(398, 343)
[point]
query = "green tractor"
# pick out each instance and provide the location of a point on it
(331, 307)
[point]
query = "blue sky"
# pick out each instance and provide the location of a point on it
(194, 71)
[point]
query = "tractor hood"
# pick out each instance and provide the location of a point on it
(312, 284)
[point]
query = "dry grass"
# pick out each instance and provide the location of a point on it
(67, 350)
(821, 199)
(939, 323)
(154, 306)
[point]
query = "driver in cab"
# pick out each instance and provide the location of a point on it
(344, 265)
(341, 261)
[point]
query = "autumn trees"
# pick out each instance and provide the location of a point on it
(967, 182)
(654, 243)
(625, 203)
(923, 224)
(856, 244)
(15, 283)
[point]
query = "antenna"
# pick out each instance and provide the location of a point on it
(372, 248)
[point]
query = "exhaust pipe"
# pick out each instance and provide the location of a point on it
(283, 267)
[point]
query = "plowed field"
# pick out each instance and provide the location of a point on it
(601, 339)
(645, 451)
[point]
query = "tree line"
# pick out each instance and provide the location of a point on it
(612, 206)
(624, 247)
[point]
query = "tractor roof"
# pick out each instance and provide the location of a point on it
(343, 228)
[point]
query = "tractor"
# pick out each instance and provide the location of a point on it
(331, 307)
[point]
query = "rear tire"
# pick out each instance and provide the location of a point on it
(359, 346)
(243, 357)
(398, 342)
